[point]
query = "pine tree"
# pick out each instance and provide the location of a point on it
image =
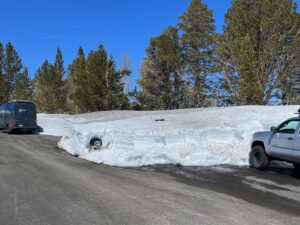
(94, 83)
(3, 94)
(43, 88)
(23, 89)
(104, 83)
(50, 88)
(258, 51)
(198, 29)
(162, 83)
(12, 70)
(117, 99)
(59, 84)
(97, 80)
(78, 84)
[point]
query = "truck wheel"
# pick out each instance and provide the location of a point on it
(258, 158)
(96, 143)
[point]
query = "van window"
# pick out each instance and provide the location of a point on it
(8, 108)
(2, 109)
(25, 109)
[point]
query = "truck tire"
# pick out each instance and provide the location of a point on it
(96, 143)
(258, 158)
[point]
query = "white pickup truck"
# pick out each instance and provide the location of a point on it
(281, 143)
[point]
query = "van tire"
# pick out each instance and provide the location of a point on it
(297, 166)
(258, 158)
(8, 131)
(31, 131)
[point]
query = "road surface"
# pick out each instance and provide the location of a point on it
(40, 185)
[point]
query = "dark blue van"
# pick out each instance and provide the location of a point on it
(18, 116)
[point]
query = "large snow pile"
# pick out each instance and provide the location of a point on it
(197, 137)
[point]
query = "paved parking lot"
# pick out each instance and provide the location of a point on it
(40, 184)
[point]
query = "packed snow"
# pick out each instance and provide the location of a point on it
(194, 137)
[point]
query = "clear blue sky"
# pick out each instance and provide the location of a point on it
(37, 27)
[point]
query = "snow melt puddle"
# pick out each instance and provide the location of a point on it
(198, 137)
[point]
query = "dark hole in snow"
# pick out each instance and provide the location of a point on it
(160, 120)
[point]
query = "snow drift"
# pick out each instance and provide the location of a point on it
(197, 137)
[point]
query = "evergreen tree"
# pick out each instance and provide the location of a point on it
(117, 99)
(259, 50)
(198, 29)
(162, 83)
(12, 70)
(59, 84)
(23, 89)
(97, 80)
(43, 89)
(3, 94)
(104, 83)
(78, 84)
(50, 89)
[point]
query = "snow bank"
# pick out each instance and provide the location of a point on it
(197, 137)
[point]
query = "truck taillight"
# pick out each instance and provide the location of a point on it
(14, 121)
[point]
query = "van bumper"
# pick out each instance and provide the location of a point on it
(24, 126)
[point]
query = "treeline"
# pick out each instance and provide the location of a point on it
(90, 83)
(256, 60)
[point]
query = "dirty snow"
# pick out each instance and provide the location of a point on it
(194, 137)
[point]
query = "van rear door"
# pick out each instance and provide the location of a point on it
(25, 114)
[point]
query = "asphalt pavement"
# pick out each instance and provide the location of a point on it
(41, 184)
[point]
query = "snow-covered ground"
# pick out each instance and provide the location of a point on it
(194, 137)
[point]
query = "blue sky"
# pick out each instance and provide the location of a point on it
(37, 27)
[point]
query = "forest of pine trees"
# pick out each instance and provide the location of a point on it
(255, 60)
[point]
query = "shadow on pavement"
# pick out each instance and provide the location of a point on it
(269, 189)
